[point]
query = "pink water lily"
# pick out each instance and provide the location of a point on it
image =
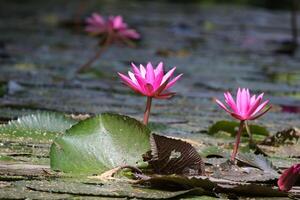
(245, 107)
(150, 82)
(114, 27)
(289, 177)
(111, 30)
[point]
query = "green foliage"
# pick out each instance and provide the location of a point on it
(232, 127)
(99, 144)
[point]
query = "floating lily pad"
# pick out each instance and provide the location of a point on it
(100, 143)
(39, 126)
(232, 127)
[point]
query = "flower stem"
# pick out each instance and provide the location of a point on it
(86, 65)
(237, 141)
(147, 110)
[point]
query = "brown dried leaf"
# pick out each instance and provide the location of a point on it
(173, 156)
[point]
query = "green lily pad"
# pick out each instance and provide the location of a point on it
(100, 143)
(232, 127)
(39, 126)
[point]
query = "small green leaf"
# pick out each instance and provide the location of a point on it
(100, 143)
(232, 126)
(39, 126)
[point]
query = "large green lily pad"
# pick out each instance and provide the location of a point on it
(100, 143)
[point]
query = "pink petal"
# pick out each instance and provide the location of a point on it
(238, 100)
(230, 101)
(173, 81)
(237, 116)
(223, 106)
(150, 77)
(259, 115)
(143, 71)
(168, 75)
(135, 69)
(161, 88)
(132, 77)
(159, 73)
(159, 69)
(165, 96)
(289, 177)
(98, 18)
(128, 82)
(149, 89)
(260, 107)
(254, 106)
(244, 101)
(117, 22)
(129, 33)
(252, 100)
(142, 82)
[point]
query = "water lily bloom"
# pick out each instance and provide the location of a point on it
(245, 107)
(150, 82)
(289, 177)
(111, 30)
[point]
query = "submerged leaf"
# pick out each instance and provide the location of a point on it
(179, 182)
(258, 161)
(100, 143)
(113, 189)
(212, 185)
(288, 136)
(173, 156)
(232, 172)
(282, 144)
(42, 126)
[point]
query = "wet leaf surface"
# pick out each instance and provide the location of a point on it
(100, 143)
(105, 190)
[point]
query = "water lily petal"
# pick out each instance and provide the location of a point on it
(173, 81)
(150, 76)
(142, 71)
(260, 107)
(129, 82)
(168, 75)
(223, 106)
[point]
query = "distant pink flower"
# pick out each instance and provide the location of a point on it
(114, 26)
(149, 81)
(96, 24)
(289, 177)
(111, 30)
(245, 107)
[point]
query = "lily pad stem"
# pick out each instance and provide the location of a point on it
(147, 110)
(237, 141)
